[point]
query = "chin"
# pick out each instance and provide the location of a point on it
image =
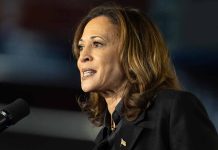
(86, 88)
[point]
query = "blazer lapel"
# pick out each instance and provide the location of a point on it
(129, 135)
(130, 131)
(100, 141)
(100, 135)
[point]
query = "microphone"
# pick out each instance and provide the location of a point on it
(12, 113)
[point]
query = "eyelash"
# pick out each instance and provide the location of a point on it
(95, 44)
(80, 47)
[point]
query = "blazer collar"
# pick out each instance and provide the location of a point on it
(130, 131)
(138, 122)
(101, 135)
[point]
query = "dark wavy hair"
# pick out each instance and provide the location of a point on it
(144, 58)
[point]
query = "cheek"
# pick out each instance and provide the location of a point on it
(113, 64)
(79, 66)
(112, 71)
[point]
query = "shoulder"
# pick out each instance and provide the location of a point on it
(182, 107)
(169, 98)
(180, 117)
(172, 102)
(169, 95)
(187, 119)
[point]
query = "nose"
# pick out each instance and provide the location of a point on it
(85, 56)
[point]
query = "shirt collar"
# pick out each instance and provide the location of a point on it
(116, 116)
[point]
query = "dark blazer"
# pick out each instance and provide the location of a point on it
(175, 121)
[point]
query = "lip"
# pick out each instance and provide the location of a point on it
(84, 70)
(88, 69)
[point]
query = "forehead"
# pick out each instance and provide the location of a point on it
(100, 25)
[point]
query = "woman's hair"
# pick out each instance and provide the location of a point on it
(144, 58)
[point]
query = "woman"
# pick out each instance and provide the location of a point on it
(133, 89)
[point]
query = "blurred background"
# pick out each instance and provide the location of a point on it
(36, 64)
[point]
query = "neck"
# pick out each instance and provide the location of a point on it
(112, 98)
(112, 103)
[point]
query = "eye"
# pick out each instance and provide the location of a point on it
(80, 47)
(97, 44)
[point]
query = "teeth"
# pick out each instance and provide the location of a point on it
(88, 73)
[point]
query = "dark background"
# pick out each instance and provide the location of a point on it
(36, 64)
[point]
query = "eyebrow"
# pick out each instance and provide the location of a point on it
(93, 37)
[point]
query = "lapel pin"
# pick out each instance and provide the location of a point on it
(123, 142)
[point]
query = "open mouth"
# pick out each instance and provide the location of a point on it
(88, 73)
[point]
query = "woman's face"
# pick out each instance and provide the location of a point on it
(99, 66)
